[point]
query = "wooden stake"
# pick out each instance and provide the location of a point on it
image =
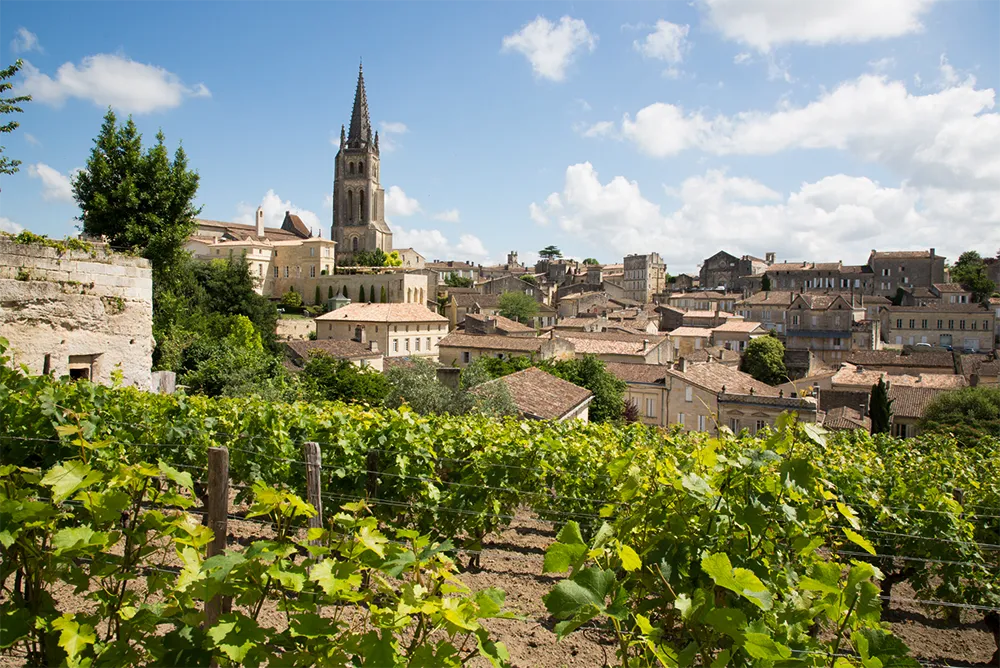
(314, 489)
(218, 511)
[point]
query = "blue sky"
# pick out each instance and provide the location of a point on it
(816, 130)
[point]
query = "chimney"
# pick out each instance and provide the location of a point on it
(260, 221)
(860, 369)
(645, 345)
(683, 365)
(862, 409)
(932, 252)
(373, 346)
(489, 325)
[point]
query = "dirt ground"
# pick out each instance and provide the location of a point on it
(512, 561)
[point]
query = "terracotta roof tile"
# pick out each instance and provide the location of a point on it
(714, 377)
(910, 402)
(541, 395)
(492, 342)
(344, 350)
(845, 418)
(901, 255)
(502, 324)
(891, 358)
(746, 326)
(383, 313)
(637, 373)
(471, 299)
(851, 375)
(702, 332)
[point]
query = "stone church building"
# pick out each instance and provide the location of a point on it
(358, 198)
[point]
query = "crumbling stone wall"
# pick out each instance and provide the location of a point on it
(78, 313)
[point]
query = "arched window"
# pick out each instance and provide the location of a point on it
(354, 243)
(421, 295)
(350, 204)
(350, 168)
(361, 167)
(361, 202)
(409, 294)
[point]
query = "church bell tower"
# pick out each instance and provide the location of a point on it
(358, 199)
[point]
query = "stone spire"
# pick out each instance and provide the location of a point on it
(361, 125)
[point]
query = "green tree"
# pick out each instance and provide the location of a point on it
(345, 292)
(393, 259)
(371, 294)
(550, 253)
(456, 281)
(971, 414)
(765, 283)
(340, 380)
(381, 296)
(361, 294)
(880, 408)
(9, 105)
(591, 260)
(329, 292)
(530, 278)
(970, 272)
(416, 385)
(477, 393)
(764, 359)
(588, 371)
(518, 306)
(291, 300)
(319, 296)
(141, 201)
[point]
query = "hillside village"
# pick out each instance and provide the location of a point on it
(677, 342)
(680, 348)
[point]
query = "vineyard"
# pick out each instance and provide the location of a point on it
(671, 549)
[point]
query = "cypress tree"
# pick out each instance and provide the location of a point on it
(345, 291)
(329, 292)
(381, 297)
(371, 294)
(361, 294)
(880, 407)
(319, 295)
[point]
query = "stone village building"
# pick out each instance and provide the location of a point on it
(400, 330)
(85, 314)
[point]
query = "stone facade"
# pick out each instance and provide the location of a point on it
(644, 277)
(822, 324)
(905, 269)
(400, 330)
(727, 271)
(967, 327)
(76, 313)
(358, 198)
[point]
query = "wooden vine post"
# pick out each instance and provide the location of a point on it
(314, 491)
(218, 512)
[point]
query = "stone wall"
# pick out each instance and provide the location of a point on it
(77, 313)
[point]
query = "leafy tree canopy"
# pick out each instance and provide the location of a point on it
(970, 273)
(135, 200)
(291, 300)
(550, 253)
(456, 281)
(971, 414)
(340, 380)
(591, 260)
(764, 359)
(10, 105)
(518, 306)
(880, 408)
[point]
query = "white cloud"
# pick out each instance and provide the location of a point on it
(274, 213)
(839, 217)
(742, 58)
(882, 65)
(25, 40)
(764, 24)
(56, 186)
(778, 69)
(434, 245)
(551, 47)
(945, 138)
(8, 225)
(31, 139)
(110, 80)
(583, 104)
(448, 216)
(668, 42)
(389, 141)
(394, 127)
(328, 201)
(599, 129)
(398, 204)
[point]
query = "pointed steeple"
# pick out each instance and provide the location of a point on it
(361, 125)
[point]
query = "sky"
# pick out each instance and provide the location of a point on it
(817, 130)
